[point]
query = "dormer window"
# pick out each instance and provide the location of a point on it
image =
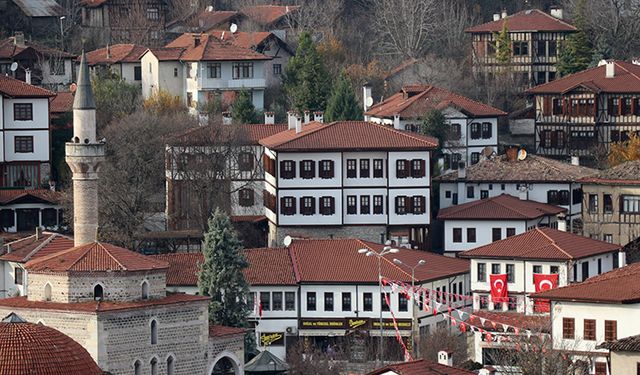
(98, 292)
(145, 290)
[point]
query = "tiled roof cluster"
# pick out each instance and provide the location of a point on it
(205, 47)
(503, 206)
(15, 88)
(623, 174)
(248, 134)
(242, 39)
(117, 53)
(10, 49)
(420, 367)
(413, 101)
(35, 246)
(268, 14)
(542, 244)
(209, 19)
(62, 102)
(627, 344)
(526, 20)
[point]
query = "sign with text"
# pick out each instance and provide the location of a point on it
(403, 324)
(323, 324)
(353, 324)
(271, 338)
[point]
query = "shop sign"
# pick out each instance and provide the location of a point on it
(271, 338)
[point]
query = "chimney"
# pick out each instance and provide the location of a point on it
(512, 153)
(575, 160)
(396, 121)
(610, 71)
(291, 120)
(462, 170)
(366, 94)
(307, 117)
(18, 39)
(269, 118)
(496, 16)
(557, 12)
(298, 123)
(503, 14)
(8, 248)
(108, 52)
(27, 75)
(445, 358)
(38, 233)
(562, 223)
(226, 118)
(318, 116)
(196, 40)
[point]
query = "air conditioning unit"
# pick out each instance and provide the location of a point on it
(292, 330)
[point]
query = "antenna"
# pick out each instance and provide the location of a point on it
(14, 66)
(233, 28)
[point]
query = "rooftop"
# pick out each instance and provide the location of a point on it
(248, 134)
(348, 135)
(14, 196)
(210, 19)
(222, 331)
(420, 367)
(532, 169)
(526, 20)
(35, 246)
(243, 39)
(62, 102)
(10, 48)
(542, 244)
(627, 344)
(40, 8)
(503, 206)
(622, 174)
(117, 53)
(205, 47)
(14, 88)
(268, 14)
(414, 101)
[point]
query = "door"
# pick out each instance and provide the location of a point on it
(28, 219)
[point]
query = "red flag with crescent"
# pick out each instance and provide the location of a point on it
(544, 282)
(499, 288)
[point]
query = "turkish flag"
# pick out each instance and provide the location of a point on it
(499, 288)
(544, 282)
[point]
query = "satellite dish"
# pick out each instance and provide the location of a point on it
(522, 154)
(73, 87)
(287, 241)
(369, 101)
(233, 28)
(14, 66)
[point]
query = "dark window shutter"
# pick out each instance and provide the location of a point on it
(543, 137)
(423, 204)
(408, 204)
(398, 200)
(312, 174)
(283, 208)
(302, 172)
(332, 205)
(407, 167)
(330, 172)
(610, 107)
(313, 206)
(283, 174)
(546, 110)
(554, 139)
(423, 168)
(634, 106)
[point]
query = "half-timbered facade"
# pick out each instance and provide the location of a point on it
(584, 113)
(536, 39)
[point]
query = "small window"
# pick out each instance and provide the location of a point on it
(214, 70)
(154, 332)
(364, 168)
(457, 235)
(22, 112)
(47, 292)
(265, 301)
(276, 301)
(346, 301)
(554, 269)
(607, 203)
(378, 207)
(288, 206)
(137, 73)
(495, 268)
(137, 368)
(589, 330)
(593, 203)
(475, 158)
(568, 328)
(367, 301)
(327, 206)
(311, 301)
(496, 234)
(242, 70)
(365, 207)
(153, 13)
(403, 304)
(326, 169)
(145, 290)
(154, 366)
(378, 168)
(383, 300)
(351, 168)
(246, 197)
(287, 169)
(484, 194)
(511, 273)
(170, 366)
(23, 144)
(352, 208)
(245, 161)
(307, 169)
(277, 69)
(470, 192)
(610, 330)
(482, 271)
(175, 72)
(511, 232)
(418, 168)
(18, 276)
(328, 301)
(486, 131)
(98, 292)
(402, 168)
(471, 235)
(290, 301)
(520, 48)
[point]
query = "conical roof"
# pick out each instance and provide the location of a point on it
(265, 362)
(84, 94)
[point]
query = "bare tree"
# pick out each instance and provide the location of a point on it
(443, 338)
(304, 358)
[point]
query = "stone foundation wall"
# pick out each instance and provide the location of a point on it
(365, 232)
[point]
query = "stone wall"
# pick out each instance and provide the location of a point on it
(231, 347)
(365, 232)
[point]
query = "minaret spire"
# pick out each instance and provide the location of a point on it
(84, 156)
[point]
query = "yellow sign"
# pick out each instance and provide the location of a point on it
(271, 338)
(357, 323)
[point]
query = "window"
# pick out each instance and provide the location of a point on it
(56, 67)
(552, 197)
(145, 290)
(418, 168)
(364, 168)
(154, 332)
(98, 292)
(351, 168)
(630, 204)
(447, 194)
(378, 168)
(568, 328)
(246, 198)
(277, 69)
(328, 301)
(520, 48)
(276, 299)
(214, 70)
(377, 205)
(288, 205)
(18, 276)
(496, 234)
(471, 235)
(470, 192)
(455, 132)
(607, 203)
(457, 235)
(137, 368)
(577, 196)
(475, 158)
(367, 300)
(541, 50)
(265, 301)
(537, 269)
(610, 330)
(346, 301)
(365, 207)
(290, 301)
(418, 204)
(558, 107)
(170, 366)
(564, 197)
(311, 301)
(495, 268)
(553, 269)
(307, 169)
(585, 271)
(511, 273)
(326, 169)
(352, 208)
(245, 161)
(482, 271)
(402, 168)
(47, 292)
(589, 330)
(242, 70)
(23, 144)
(484, 194)
(175, 73)
(553, 48)
(593, 203)
(383, 301)
(308, 206)
(153, 13)
(608, 237)
(541, 77)
(154, 366)
(137, 73)
(486, 130)
(401, 205)
(251, 299)
(511, 232)
(403, 304)
(327, 205)
(287, 169)
(22, 111)
(475, 130)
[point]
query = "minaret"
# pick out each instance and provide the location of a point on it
(85, 155)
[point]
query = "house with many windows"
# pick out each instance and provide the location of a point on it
(480, 222)
(473, 126)
(122, 60)
(536, 39)
(348, 179)
(584, 113)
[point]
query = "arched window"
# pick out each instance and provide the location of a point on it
(170, 366)
(154, 366)
(137, 368)
(47, 292)
(98, 292)
(154, 332)
(224, 366)
(145, 290)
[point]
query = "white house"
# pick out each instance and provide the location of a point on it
(201, 67)
(121, 59)
(348, 179)
(481, 222)
(324, 290)
(533, 178)
(473, 126)
(539, 251)
(599, 311)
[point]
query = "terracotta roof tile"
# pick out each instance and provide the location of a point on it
(248, 134)
(621, 285)
(183, 268)
(503, 206)
(14, 88)
(10, 196)
(623, 174)
(167, 54)
(211, 48)
(242, 38)
(222, 331)
(526, 20)
(627, 344)
(36, 349)
(9, 49)
(348, 135)
(117, 53)
(95, 257)
(536, 323)
(268, 14)
(413, 101)
(28, 248)
(210, 19)
(532, 169)
(542, 244)
(62, 102)
(420, 367)
(625, 80)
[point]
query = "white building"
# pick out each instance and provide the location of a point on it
(348, 179)
(200, 68)
(481, 222)
(544, 251)
(534, 178)
(473, 126)
(324, 290)
(122, 60)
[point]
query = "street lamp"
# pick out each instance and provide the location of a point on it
(62, 33)
(387, 249)
(421, 262)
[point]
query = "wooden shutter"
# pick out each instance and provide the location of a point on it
(283, 208)
(283, 173)
(407, 167)
(490, 130)
(301, 166)
(543, 137)
(398, 200)
(423, 204)
(546, 110)
(610, 107)
(565, 106)
(332, 205)
(330, 172)
(423, 168)
(408, 204)
(634, 106)
(312, 210)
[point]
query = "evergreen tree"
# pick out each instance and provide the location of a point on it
(343, 104)
(503, 45)
(576, 52)
(243, 111)
(306, 81)
(434, 124)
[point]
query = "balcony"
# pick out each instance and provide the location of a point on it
(221, 84)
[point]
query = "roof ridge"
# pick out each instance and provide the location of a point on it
(112, 256)
(309, 131)
(553, 243)
(39, 247)
(403, 133)
(86, 250)
(383, 258)
(617, 62)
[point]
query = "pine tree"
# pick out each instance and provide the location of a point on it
(343, 104)
(503, 45)
(576, 52)
(306, 81)
(243, 111)
(434, 124)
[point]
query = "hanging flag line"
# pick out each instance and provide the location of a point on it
(407, 355)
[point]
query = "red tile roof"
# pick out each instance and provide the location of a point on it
(183, 268)
(210, 48)
(243, 39)
(401, 67)
(526, 20)
(413, 101)
(348, 135)
(222, 331)
(62, 102)
(268, 14)
(9, 196)
(248, 134)
(9, 49)
(542, 244)
(536, 323)
(166, 54)
(621, 285)
(30, 247)
(95, 257)
(627, 344)
(15, 88)
(36, 349)
(623, 174)
(208, 20)
(503, 206)
(420, 367)
(626, 79)
(117, 53)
